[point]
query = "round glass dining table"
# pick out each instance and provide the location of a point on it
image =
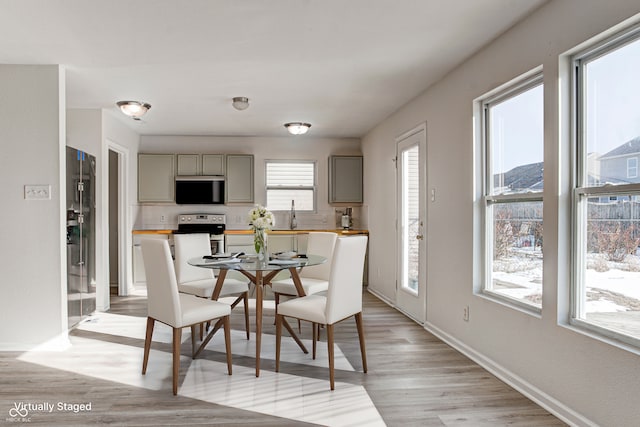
(260, 273)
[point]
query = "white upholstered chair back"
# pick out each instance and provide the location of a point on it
(320, 243)
(344, 297)
(190, 246)
(162, 289)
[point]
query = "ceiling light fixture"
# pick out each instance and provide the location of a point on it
(240, 103)
(297, 128)
(133, 109)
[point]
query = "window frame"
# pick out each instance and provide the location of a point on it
(314, 187)
(581, 191)
(516, 87)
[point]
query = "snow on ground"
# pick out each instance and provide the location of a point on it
(614, 290)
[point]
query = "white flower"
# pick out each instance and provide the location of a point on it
(260, 217)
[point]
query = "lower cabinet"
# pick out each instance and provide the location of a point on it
(275, 243)
(139, 276)
(239, 243)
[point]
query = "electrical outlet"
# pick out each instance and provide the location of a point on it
(465, 315)
(163, 219)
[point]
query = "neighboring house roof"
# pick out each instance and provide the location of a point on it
(529, 177)
(630, 147)
(525, 177)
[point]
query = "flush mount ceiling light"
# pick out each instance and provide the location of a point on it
(240, 103)
(297, 128)
(133, 109)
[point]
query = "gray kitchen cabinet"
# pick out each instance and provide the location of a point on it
(345, 179)
(188, 164)
(139, 275)
(281, 243)
(156, 177)
(239, 243)
(200, 164)
(213, 164)
(239, 184)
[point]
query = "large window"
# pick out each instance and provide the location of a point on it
(513, 128)
(606, 285)
(289, 180)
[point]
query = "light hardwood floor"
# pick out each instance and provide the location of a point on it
(414, 379)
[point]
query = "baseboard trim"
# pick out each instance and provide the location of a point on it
(546, 401)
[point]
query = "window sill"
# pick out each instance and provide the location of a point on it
(511, 303)
(605, 336)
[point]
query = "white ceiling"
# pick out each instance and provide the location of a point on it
(341, 65)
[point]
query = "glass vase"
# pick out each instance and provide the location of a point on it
(260, 244)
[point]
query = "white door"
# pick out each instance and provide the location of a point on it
(411, 219)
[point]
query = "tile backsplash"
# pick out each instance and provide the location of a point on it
(165, 216)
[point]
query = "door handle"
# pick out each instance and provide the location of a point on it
(419, 237)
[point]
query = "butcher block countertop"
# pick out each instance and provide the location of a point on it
(284, 232)
(153, 231)
(300, 231)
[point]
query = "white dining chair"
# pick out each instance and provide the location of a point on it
(314, 279)
(343, 299)
(175, 309)
(201, 281)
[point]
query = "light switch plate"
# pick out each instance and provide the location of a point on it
(37, 192)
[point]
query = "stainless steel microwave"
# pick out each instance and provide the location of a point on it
(200, 190)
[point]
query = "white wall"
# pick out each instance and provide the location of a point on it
(263, 148)
(579, 377)
(33, 292)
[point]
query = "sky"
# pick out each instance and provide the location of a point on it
(612, 111)
(613, 99)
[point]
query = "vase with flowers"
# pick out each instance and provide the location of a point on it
(261, 220)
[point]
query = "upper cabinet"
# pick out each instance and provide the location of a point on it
(345, 179)
(200, 164)
(213, 164)
(156, 177)
(189, 164)
(240, 178)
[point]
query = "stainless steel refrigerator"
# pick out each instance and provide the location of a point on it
(81, 235)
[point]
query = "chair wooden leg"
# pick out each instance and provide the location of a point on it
(147, 343)
(276, 298)
(177, 338)
(201, 331)
(203, 344)
(361, 337)
(294, 336)
(315, 340)
(246, 313)
(227, 341)
(330, 349)
(278, 340)
(193, 340)
(299, 327)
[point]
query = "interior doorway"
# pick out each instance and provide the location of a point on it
(114, 273)
(411, 219)
(117, 241)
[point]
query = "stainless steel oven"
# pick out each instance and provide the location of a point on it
(214, 224)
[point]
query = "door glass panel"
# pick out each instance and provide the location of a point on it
(410, 219)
